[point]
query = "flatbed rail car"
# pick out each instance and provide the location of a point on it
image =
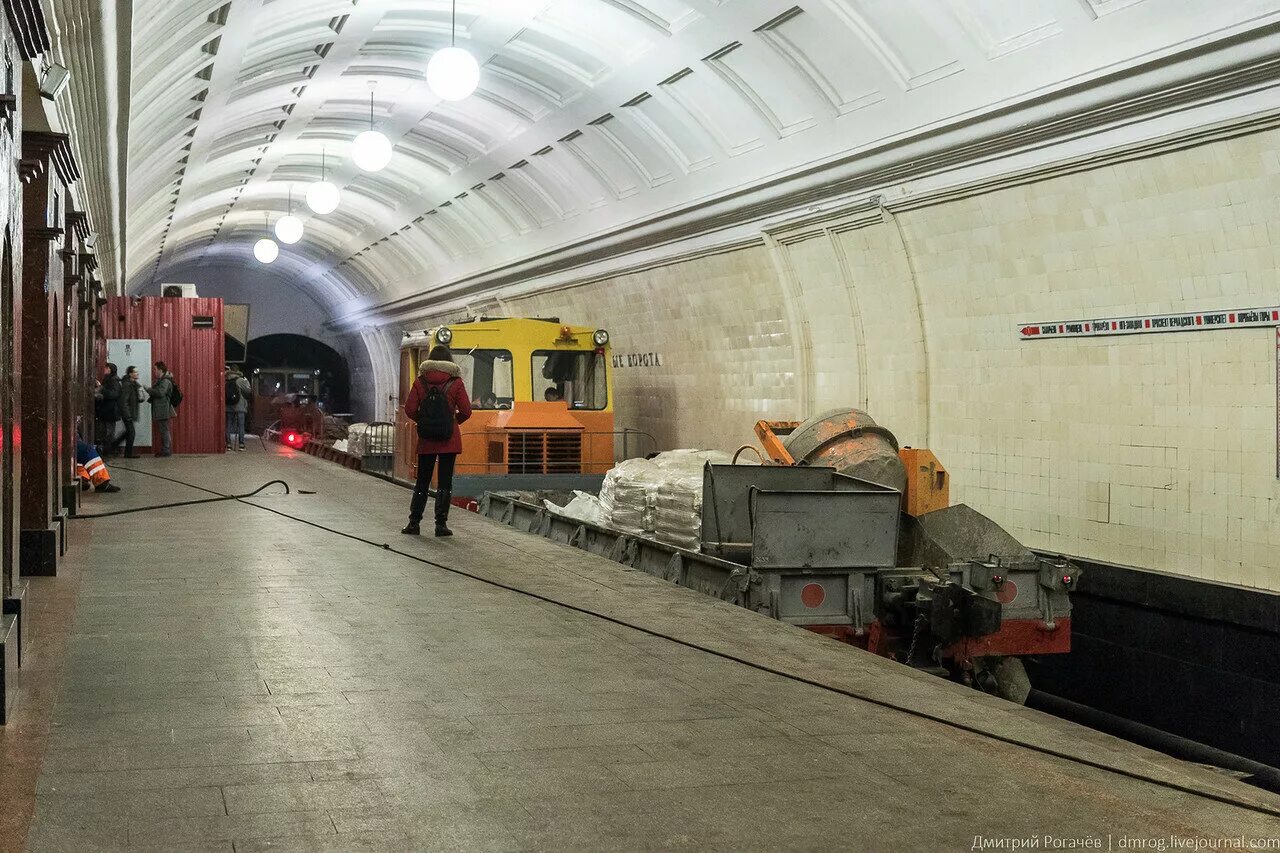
(542, 405)
(818, 549)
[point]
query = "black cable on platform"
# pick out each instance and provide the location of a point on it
(220, 497)
(851, 694)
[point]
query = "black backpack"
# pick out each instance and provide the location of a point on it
(175, 396)
(435, 415)
(233, 391)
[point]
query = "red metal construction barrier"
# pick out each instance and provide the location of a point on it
(186, 334)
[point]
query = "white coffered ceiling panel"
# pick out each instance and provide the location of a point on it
(591, 114)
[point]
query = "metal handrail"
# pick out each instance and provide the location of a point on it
(379, 435)
(634, 443)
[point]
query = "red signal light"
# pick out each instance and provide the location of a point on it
(293, 439)
(1066, 580)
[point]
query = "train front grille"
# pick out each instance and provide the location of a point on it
(544, 452)
(564, 453)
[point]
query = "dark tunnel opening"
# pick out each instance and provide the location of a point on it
(303, 364)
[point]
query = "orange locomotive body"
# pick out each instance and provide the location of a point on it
(542, 401)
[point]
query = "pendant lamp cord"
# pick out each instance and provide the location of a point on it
(453, 27)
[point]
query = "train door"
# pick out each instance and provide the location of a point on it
(406, 456)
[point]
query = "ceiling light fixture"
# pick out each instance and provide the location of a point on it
(453, 73)
(322, 196)
(266, 250)
(53, 80)
(371, 150)
(289, 227)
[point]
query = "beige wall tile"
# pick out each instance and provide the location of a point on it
(1157, 451)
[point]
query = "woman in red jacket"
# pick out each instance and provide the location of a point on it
(438, 372)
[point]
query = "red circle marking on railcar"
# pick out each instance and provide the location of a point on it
(1006, 592)
(812, 594)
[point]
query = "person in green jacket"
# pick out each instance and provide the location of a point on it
(162, 410)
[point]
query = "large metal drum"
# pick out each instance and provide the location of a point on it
(850, 441)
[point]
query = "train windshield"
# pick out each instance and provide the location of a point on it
(271, 383)
(578, 378)
(488, 377)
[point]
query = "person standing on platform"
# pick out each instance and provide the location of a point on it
(237, 405)
(130, 407)
(107, 410)
(438, 403)
(163, 407)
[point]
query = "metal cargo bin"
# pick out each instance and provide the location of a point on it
(797, 517)
(814, 538)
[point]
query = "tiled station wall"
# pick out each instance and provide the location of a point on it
(1155, 451)
(718, 325)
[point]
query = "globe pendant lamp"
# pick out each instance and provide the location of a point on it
(266, 250)
(289, 227)
(322, 196)
(453, 73)
(371, 150)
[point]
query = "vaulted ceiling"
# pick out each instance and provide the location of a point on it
(592, 115)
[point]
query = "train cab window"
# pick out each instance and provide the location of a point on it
(578, 378)
(488, 376)
(269, 383)
(274, 383)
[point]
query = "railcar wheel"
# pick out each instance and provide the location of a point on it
(1005, 677)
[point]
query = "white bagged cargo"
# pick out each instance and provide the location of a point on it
(626, 497)
(677, 511)
(659, 497)
(583, 507)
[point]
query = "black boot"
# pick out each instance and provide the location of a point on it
(417, 507)
(442, 512)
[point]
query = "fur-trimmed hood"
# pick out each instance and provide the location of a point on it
(447, 367)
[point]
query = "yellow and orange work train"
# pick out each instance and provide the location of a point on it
(542, 400)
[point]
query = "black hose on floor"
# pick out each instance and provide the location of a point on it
(1262, 775)
(851, 694)
(180, 503)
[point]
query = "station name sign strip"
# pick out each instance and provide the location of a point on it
(1194, 321)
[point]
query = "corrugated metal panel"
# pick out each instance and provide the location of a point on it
(195, 356)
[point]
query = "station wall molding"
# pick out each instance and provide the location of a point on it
(1167, 105)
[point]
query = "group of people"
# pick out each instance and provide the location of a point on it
(119, 399)
(438, 403)
(117, 407)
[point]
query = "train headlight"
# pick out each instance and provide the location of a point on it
(444, 335)
(600, 338)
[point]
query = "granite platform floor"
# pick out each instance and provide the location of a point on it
(230, 678)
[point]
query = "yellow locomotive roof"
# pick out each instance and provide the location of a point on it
(528, 331)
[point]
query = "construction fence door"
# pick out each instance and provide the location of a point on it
(124, 353)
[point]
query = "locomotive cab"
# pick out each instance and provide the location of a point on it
(542, 404)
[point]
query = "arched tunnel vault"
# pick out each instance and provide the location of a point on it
(279, 305)
(592, 117)
(793, 204)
